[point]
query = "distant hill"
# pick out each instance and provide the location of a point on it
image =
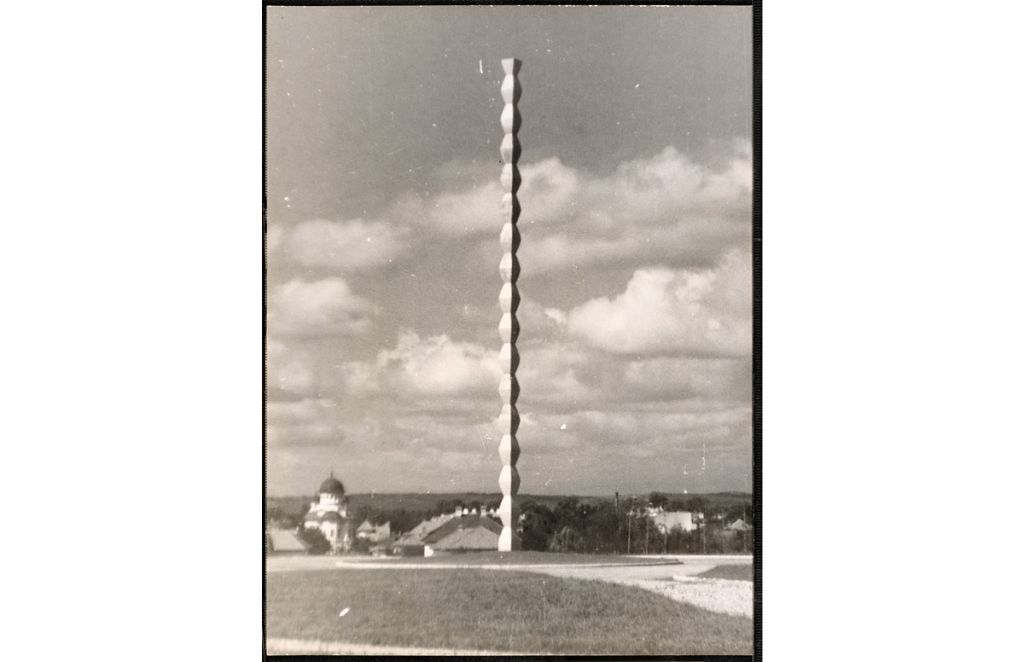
(297, 505)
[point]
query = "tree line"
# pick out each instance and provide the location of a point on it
(592, 527)
(626, 528)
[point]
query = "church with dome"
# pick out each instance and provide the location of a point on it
(329, 513)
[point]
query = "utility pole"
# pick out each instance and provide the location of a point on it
(704, 497)
(629, 525)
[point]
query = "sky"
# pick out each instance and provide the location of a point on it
(382, 248)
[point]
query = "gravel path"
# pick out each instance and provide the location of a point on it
(667, 566)
(676, 582)
(727, 596)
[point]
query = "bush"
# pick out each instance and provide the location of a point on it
(315, 539)
(538, 527)
(567, 539)
(360, 546)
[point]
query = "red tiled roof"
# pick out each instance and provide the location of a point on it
(283, 540)
(739, 525)
(416, 535)
(469, 522)
(476, 538)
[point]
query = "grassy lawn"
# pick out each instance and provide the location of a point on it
(478, 609)
(731, 571)
(528, 558)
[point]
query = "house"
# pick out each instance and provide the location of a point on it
(683, 520)
(411, 543)
(285, 541)
(462, 531)
(739, 525)
(462, 511)
(470, 533)
(371, 533)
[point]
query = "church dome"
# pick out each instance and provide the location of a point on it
(332, 486)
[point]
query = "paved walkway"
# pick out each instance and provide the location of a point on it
(664, 568)
(691, 564)
(676, 582)
(538, 567)
(726, 596)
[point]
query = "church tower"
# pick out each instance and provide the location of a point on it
(329, 513)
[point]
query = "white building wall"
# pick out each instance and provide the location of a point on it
(669, 521)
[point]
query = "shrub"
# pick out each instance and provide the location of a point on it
(318, 544)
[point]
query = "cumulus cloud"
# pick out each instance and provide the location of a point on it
(354, 245)
(657, 367)
(550, 192)
(665, 208)
(436, 366)
(304, 422)
(326, 307)
(694, 241)
(664, 312)
(549, 376)
(556, 316)
(641, 426)
(551, 188)
(439, 365)
(662, 209)
(303, 434)
(275, 234)
(565, 375)
(538, 323)
(289, 371)
(737, 178)
(466, 212)
(559, 438)
(290, 412)
(654, 189)
(671, 379)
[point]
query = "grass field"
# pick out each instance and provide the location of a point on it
(732, 571)
(477, 609)
(526, 558)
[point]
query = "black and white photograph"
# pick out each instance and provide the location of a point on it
(626, 332)
(509, 330)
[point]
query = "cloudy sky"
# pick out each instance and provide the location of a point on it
(383, 222)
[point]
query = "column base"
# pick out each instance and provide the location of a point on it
(508, 541)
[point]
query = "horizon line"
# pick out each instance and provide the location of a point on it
(612, 495)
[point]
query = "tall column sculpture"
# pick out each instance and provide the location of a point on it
(508, 328)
